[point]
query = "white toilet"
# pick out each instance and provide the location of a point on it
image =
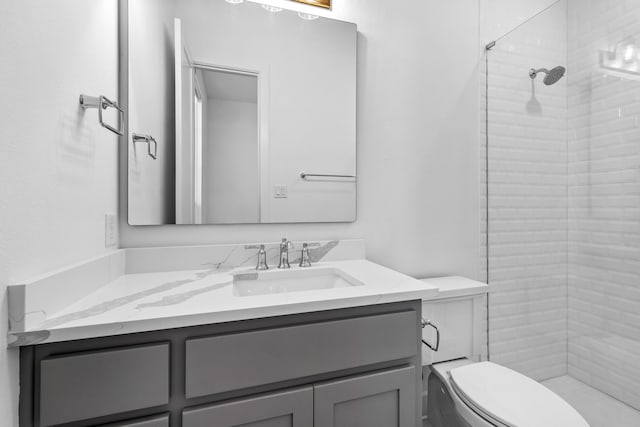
(462, 392)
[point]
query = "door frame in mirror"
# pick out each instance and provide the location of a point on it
(261, 73)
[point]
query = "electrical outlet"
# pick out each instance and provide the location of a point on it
(280, 192)
(110, 230)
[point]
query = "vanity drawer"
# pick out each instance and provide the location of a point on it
(224, 363)
(93, 384)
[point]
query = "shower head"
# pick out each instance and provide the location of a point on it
(551, 76)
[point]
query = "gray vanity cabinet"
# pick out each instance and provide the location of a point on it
(384, 399)
(292, 408)
(353, 367)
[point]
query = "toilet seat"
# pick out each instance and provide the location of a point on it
(506, 398)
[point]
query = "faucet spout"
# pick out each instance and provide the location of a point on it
(285, 245)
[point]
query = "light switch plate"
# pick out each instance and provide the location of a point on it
(280, 192)
(110, 230)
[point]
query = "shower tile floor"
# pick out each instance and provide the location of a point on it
(599, 409)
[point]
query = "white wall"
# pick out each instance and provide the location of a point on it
(231, 188)
(58, 167)
(151, 112)
(498, 17)
(417, 144)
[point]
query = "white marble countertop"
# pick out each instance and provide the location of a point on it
(139, 302)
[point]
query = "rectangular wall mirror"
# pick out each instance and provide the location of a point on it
(238, 114)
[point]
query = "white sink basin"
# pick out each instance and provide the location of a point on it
(283, 281)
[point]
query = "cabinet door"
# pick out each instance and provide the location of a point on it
(285, 409)
(385, 399)
(461, 325)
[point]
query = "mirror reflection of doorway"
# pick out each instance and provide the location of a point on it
(226, 146)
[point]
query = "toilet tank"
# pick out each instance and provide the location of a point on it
(459, 314)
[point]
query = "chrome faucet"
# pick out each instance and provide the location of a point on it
(262, 256)
(285, 245)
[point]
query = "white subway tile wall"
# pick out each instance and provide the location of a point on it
(604, 197)
(527, 145)
(564, 197)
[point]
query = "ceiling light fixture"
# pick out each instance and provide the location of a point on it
(629, 53)
(273, 9)
(307, 16)
(622, 58)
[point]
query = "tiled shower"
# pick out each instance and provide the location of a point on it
(562, 221)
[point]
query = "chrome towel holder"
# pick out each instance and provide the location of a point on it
(305, 175)
(424, 324)
(148, 139)
(102, 103)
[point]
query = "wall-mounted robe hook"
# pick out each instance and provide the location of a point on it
(148, 139)
(102, 103)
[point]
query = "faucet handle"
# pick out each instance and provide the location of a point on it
(262, 256)
(305, 257)
(286, 244)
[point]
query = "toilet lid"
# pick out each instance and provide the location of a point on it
(507, 398)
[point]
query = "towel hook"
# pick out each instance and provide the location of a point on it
(102, 103)
(148, 139)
